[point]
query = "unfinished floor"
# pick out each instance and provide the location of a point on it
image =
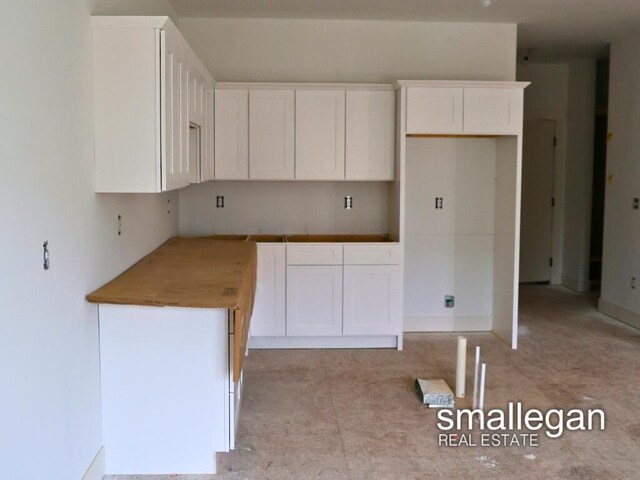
(354, 414)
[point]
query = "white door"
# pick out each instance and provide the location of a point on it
(268, 317)
(372, 300)
(314, 300)
(434, 110)
(538, 152)
(271, 134)
(231, 134)
(172, 119)
(320, 135)
(370, 134)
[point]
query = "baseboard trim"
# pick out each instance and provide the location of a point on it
(383, 341)
(96, 469)
(575, 285)
(619, 313)
(466, 323)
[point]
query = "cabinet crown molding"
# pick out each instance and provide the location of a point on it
(303, 86)
(460, 84)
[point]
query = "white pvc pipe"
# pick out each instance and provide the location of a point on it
(461, 366)
(483, 373)
(475, 378)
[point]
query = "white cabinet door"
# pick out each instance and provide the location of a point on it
(172, 171)
(370, 133)
(434, 110)
(314, 300)
(232, 134)
(207, 138)
(197, 100)
(320, 135)
(493, 111)
(186, 176)
(372, 300)
(269, 308)
(271, 134)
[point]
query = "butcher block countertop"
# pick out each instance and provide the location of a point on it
(188, 272)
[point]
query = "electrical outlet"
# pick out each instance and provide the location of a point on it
(449, 301)
(633, 283)
(636, 203)
(220, 201)
(45, 255)
(119, 224)
(348, 202)
(438, 203)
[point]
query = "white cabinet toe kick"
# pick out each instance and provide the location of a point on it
(170, 397)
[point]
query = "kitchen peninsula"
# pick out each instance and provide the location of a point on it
(173, 336)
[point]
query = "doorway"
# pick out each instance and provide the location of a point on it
(538, 154)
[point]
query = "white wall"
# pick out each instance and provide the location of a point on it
(133, 7)
(334, 51)
(579, 174)
(284, 208)
(621, 255)
(351, 51)
(547, 98)
(49, 371)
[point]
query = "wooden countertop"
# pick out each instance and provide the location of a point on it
(188, 272)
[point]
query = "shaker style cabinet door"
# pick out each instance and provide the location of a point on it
(434, 110)
(271, 134)
(268, 317)
(372, 300)
(314, 300)
(231, 134)
(206, 132)
(175, 126)
(493, 111)
(320, 134)
(370, 134)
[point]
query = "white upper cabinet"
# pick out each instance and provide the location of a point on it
(320, 134)
(149, 88)
(370, 133)
(232, 134)
(434, 110)
(271, 134)
(493, 110)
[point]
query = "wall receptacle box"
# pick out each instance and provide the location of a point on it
(449, 301)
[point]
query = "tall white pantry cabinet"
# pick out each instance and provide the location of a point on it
(459, 154)
(153, 111)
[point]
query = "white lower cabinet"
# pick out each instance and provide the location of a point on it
(268, 317)
(372, 296)
(314, 300)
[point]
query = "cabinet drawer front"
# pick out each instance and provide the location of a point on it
(366, 254)
(434, 110)
(492, 111)
(314, 254)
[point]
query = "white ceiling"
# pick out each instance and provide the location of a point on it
(557, 29)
